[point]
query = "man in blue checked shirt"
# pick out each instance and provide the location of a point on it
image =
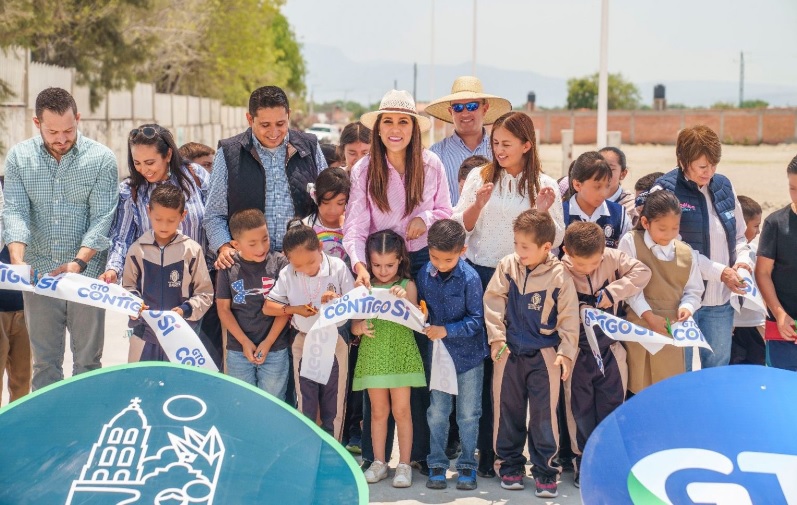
(267, 167)
(61, 195)
(469, 109)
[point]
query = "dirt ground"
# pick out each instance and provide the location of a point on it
(755, 171)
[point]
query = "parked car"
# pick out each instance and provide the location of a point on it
(326, 133)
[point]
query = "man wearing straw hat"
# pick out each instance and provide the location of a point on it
(469, 109)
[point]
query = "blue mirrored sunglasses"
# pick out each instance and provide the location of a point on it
(471, 106)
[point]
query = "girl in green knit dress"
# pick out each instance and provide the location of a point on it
(389, 363)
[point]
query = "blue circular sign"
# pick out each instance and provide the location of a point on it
(722, 435)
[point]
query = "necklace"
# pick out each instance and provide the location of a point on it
(312, 296)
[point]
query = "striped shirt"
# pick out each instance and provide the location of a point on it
(55, 208)
(279, 205)
(131, 216)
(452, 151)
(363, 217)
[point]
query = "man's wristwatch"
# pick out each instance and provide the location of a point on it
(82, 264)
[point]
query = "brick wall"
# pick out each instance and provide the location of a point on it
(740, 126)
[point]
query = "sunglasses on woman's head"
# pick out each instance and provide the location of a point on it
(471, 106)
(148, 132)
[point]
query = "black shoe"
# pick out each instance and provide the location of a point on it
(365, 465)
(454, 450)
(437, 479)
(466, 480)
(566, 464)
(486, 473)
(577, 479)
(421, 466)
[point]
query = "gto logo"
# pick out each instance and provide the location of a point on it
(191, 357)
(648, 477)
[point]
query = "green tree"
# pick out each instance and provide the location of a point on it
(88, 36)
(755, 104)
(582, 93)
(251, 45)
(723, 105)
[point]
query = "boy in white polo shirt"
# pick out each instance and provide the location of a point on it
(311, 279)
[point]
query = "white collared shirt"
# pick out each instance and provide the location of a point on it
(711, 267)
(602, 210)
(693, 290)
(492, 237)
(296, 288)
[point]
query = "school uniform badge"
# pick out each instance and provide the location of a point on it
(535, 302)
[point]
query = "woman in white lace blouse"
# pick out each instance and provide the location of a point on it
(496, 194)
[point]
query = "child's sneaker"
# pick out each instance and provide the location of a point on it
(512, 482)
(376, 472)
(354, 448)
(546, 486)
(466, 480)
(437, 478)
(403, 477)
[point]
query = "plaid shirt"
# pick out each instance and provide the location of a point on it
(57, 208)
(279, 205)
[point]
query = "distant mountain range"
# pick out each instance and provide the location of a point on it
(334, 76)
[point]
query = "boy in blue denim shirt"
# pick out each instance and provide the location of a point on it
(453, 294)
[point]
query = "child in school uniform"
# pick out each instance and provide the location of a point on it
(674, 292)
(747, 345)
(166, 268)
(603, 278)
(616, 160)
(311, 279)
(330, 192)
(531, 314)
(590, 181)
(257, 345)
(776, 276)
(453, 294)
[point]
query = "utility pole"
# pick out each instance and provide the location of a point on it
(415, 81)
(741, 79)
(431, 74)
(603, 76)
(473, 68)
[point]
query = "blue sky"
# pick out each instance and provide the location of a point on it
(649, 41)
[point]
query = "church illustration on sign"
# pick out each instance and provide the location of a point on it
(119, 469)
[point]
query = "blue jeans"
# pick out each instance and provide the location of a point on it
(271, 376)
(716, 323)
(469, 410)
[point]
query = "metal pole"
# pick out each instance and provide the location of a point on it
(741, 79)
(431, 72)
(603, 76)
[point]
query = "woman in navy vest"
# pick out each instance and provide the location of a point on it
(713, 224)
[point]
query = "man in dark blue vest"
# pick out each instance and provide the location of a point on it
(712, 223)
(266, 167)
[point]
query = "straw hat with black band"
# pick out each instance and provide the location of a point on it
(468, 88)
(396, 102)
